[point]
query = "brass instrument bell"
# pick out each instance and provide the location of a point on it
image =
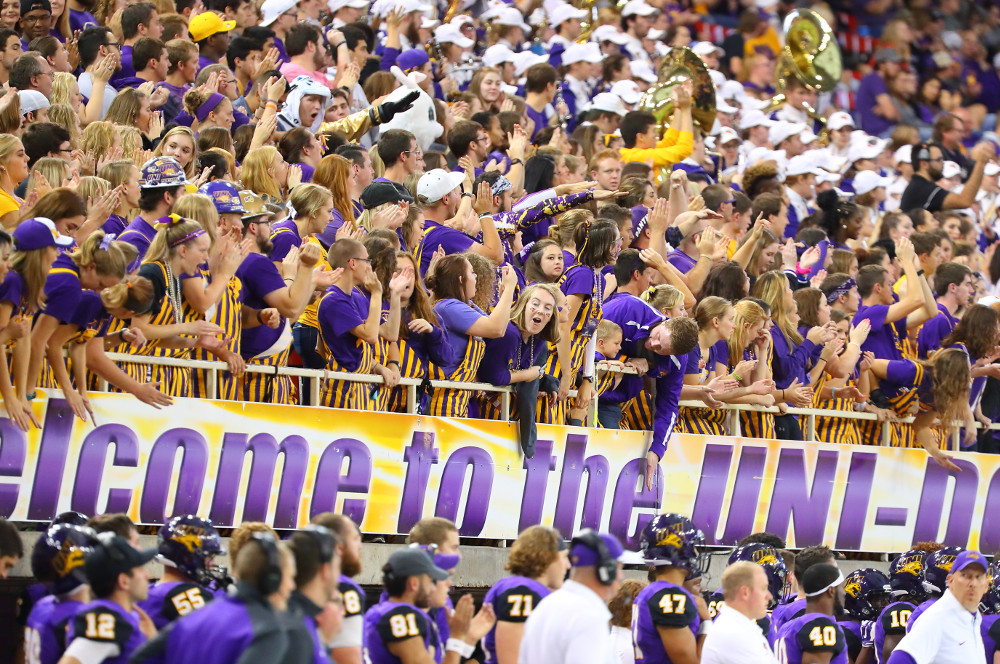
(680, 65)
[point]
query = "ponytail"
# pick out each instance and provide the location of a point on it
(134, 294)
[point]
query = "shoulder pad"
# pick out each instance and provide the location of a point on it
(402, 623)
(820, 634)
(672, 607)
(895, 617)
(183, 599)
(102, 624)
(516, 603)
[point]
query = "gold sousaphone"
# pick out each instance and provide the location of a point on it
(681, 64)
(811, 55)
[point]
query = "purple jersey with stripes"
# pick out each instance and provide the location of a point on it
(103, 621)
(812, 632)
(661, 604)
(45, 633)
(169, 601)
(892, 621)
(513, 600)
(784, 613)
(392, 622)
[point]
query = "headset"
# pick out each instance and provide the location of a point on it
(607, 565)
(324, 539)
(270, 579)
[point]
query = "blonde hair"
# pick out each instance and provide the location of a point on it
(125, 108)
(746, 314)
(31, 265)
(62, 89)
(10, 117)
(65, 116)
(230, 161)
(308, 199)
(200, 208)
(771, 287)
(162, 247)
(766, 239)
(709, 309)
(131, 139)
(117, 172)
(378, 166)
(8, 146)
(53, 169)
(110, 262)
(256, 172)
(92, 187)
(98, 137)
(191, 170)
(663, 297)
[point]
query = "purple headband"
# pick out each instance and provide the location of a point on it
(190, 236)
(208, 106)
(842, 289)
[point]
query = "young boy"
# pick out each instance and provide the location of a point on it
(607, 347)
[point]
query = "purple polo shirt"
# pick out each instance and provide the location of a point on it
(62, 289)
(870, 88)
(338, 314)
(260, 278)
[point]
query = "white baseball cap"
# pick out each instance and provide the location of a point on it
(608, 101)
(827, 176)
(609, 33)
(272, 9)
(864, 150)
(706, 48)
(437, 183)
(498, 54)
(427, 23)
(727, 134)
(638, 8)
(449, 33)
(754, 118)
(526, 59)
(839, 120)
(802, 165)
(866, 181)
(589, 52)
(722, 106)
(904, 155)
(564, 12)
(511, 16)
(32, 100)
(462, 20)
(992, 169)
(627, 91)
(655, 34)
(783, 130)
(808, 136)
(951, 169)
(732, 90)
(643, 70)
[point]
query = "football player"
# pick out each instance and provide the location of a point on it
(538, 562)
(112, 626)
(398, 631)
(773, 564)
(317, 576)
(866, 592)
(816, 632)
(906, 582)
(937, 567)
(345, 648)
(669, 623)
(989, 606)
(804, 559)
(57, 561)
(187, 546)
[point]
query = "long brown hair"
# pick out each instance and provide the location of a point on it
(978, 329)
(448, 279)
(950, 383)
(808, 300)
(419, 305)
(333, 173)
(31, 266)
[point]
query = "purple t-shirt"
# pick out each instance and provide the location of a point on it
(338, 314)
(115, 224)
(436, 235)
(63, 291)
(509, 353)
(49, 619)
(933, 332)
(12, 290)
(635, 317)
(456, 317)
(541, 119)
(139, 234)
(284, 236)
(78, 20)
(790, 360)
(870, 88)
(260, 278)
(883, 340)
(681, 261)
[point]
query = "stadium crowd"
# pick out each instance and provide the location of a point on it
(298, 600)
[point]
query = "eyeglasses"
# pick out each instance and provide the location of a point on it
(35, 19)
(417, 153)
(484, 139)
(358, 258)
(261, 222)
(115, 44)
(936, 159)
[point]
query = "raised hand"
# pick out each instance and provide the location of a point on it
(402, 280)
(267, 63)
(859, 333)
(484, 199)
(310, 255)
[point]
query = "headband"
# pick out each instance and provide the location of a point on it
(501, 185)
(167, 221)
(833, 584)
(842, 289)
(106, 242)
(190, 236)
(208, 106)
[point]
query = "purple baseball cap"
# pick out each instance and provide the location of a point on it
(639, 220)
(411, 59)
(966, 558)
(582, 555)
(38, 233)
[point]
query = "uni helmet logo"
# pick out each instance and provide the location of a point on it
(669, 536)
(189, 536)
(765, 557)
(223, 196)
(913, 566)
(68, 558)
(853, 589)
(946, 563)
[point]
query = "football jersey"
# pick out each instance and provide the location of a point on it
(785, 613)
(45, 632)
(513, 600)
(923, 606)
(354, 598)
(892, 620)
(852, 636)
(391, 622)
(103, 621)
(168, 601)
(990, 630)
(661, 604)
(812, 632)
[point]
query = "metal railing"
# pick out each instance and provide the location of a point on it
(315, 379)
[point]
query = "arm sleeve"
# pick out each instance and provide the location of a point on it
(495, 367)
(439, 350)
(785, 365)
(547, 208)
(92, 652)
(353, 126)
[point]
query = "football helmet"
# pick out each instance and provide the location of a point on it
(58, 555)
(866, 592)
(770, 559)
(937, 567)
(673, 539)
(188, 543)
(906, 573)
(71, 517)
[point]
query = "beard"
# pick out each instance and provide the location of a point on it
(350, 566)
(264, 244)
(423, 599)
(936, 173)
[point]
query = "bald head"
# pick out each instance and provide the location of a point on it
(745, 587)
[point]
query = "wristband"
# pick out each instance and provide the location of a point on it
(31, 396)
(516, 161)
(833, 392)
(705, 627)
(464, 649)
(466, 193)
(259, 319)
(339, 44)
(392, 362)
(736, 377)
(800, 269)
(920, 273)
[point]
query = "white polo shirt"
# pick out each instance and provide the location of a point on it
(945, 634)
(569, 626)
(735, 639)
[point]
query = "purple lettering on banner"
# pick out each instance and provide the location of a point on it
(573, 467)
(52, 451)
(13, 451)
(707, 512)
(792, 499)
(260, 484)
(419, 456)
(932, 503)
(329, 481)
(90, 468)
(159, 468)
(746, 494)
(536, 479)
(989, 534)
(627, 499)
(477, 503)
(860, 478)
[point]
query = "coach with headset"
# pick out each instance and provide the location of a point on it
(571, 624)
(254, 628)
